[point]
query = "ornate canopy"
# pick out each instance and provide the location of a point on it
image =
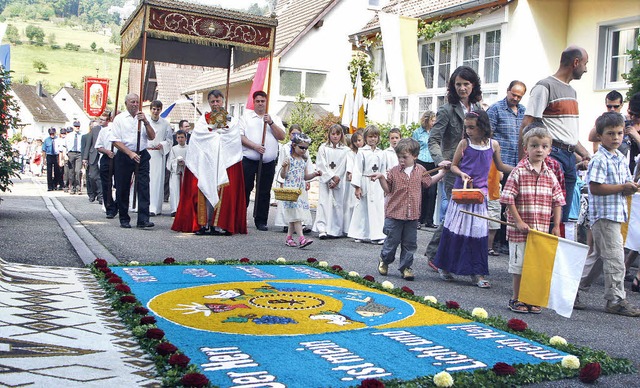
(193, 34)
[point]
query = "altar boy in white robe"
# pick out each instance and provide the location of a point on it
(175, 165)
(158, 149)
(332, 161)
(368, 214)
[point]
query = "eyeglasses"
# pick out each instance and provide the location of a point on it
(303, 148)
(613, 106)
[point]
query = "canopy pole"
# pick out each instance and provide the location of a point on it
(137, 169)
(264, 129)
(226, 93)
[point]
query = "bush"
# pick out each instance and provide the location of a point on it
(8, 107)
(72, 47)
(405, 131)
(633, 76)
(35, 34)
(55, 47)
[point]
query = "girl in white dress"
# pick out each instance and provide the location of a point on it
(283, 153)
(394, 137)
(368, 214)
(294, 172)
(356, 142)
(331, 160)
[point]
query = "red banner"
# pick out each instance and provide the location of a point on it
(95, 95)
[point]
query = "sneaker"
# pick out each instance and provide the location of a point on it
(357, 240)
(383, 268)
(445, 275)
(303, 242)
(577, 305)
(290, 243)
(407, 274)
(622, 308)
(323, 236)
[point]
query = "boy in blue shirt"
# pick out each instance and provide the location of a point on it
(609, 181)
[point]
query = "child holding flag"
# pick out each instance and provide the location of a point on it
(532, 193)
(609, 181)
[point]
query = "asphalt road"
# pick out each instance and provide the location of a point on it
(58, 229)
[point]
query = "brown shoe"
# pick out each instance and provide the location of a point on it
(622, 308)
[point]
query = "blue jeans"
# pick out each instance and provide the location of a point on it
(567, 161)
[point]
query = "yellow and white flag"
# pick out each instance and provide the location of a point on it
(631, 228)
(400, 45)
(357, 119)
(551, 272)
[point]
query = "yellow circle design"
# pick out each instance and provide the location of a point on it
(253, 308)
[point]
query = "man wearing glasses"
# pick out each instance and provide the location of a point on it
(258, 150)
(613, 101)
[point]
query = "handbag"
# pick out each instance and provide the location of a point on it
(467, 195)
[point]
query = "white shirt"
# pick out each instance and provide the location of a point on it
(164, 134)
(69, 140)
(251, 126)
(103, 140)
(124, 130)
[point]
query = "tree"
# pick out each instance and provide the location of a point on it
(12, 34)
(633, 76)
(51, 38)
(361, 62)
(8, 108)
(39, 65)
(35, 34)
(93, 46)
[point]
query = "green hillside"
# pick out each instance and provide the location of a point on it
(65, 66)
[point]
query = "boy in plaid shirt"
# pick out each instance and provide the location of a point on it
(609, 181)
(403, 190)
(532, 194)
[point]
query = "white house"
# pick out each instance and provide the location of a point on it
(509, 40)
(71, 102)
(312, 52)
(37, 111)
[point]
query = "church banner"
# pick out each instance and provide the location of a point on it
(95, 95)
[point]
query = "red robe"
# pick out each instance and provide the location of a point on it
(229, 214)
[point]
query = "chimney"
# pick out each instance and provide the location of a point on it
(39, 89)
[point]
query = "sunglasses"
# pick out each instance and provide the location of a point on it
(613, 106)
(303, 148)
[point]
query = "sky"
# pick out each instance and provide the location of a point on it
(130, 5)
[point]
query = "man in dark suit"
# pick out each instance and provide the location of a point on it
(90, 163)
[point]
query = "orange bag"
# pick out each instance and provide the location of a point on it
(466, 196)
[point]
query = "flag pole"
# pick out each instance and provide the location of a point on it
(489, 218)
(111, 117)
(264, 130)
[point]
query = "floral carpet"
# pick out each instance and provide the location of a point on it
(301, 326)
(57, 329)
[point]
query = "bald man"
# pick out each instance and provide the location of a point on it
(554, 102)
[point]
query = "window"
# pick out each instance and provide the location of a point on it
(404, 110)
(614, 40)
(471, 48)
(295, 82)
(241, 108)
(424, 104)
(492, 57)
(427, 62)
(232, 110)
(444, 66)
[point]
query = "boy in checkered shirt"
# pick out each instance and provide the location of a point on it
(402, 187)
(609, 181)
(532, 194)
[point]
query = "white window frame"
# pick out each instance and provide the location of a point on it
(603, 58)
(303, 79)
(457, 57)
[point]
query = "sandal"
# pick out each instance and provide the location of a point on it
(518, 307)
(493, 253)
(432, 266)
(533, 309)
(635, 285)
(445, 275)
(290, 242)
(303, 242)
(483, 283)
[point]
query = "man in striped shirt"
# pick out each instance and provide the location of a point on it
(554, 102)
